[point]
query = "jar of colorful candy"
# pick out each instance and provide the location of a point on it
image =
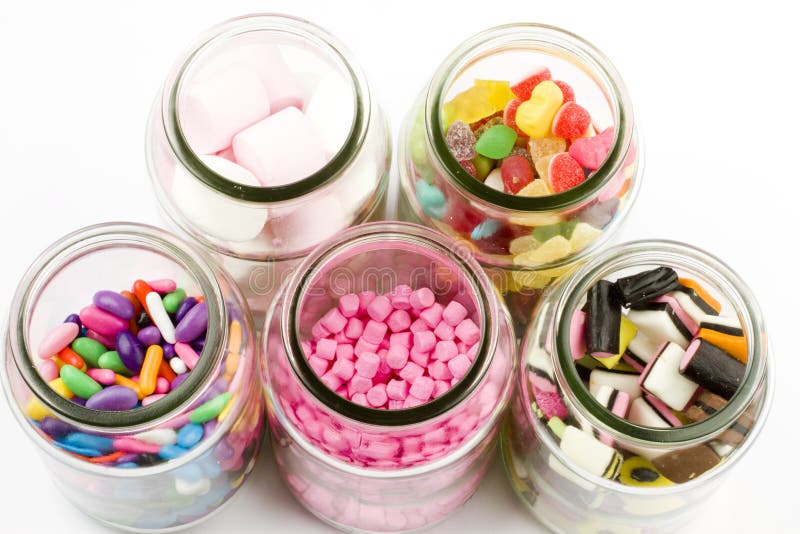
(524, 147)
(130, 362)
(387, 367)
(264, 142)
(645, 378)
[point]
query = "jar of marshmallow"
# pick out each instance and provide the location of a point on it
(264, 141)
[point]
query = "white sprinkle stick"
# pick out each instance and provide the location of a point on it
(160, 316)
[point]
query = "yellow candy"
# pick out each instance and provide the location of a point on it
(535, 115)
(582, 235)
(36, 410)
(61, 388)
(547, 146)
(626, 332)
(537, 188)
(553, 249)
(235, 337)
(542, 165)
(523, 244)
(498, 93)
(470, 106)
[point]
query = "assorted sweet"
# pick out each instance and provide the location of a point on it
(639, 345)
(127, 350)
(530, 138)
(393, 351)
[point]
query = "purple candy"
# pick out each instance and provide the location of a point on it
(193, 324)
(199, 344)
(178, 380)
(149, 335)
(169, 351)
(55, 427)
(183, 308)
(77, 400)
(209, 428)
(130, 351)
(114, 303)
(74, 318)
(125, 458)
(223, 451)
(113, 399)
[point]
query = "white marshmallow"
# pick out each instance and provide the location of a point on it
(331, 109)
(308, 224)
(495, 180)
(281, 149)
(213, 108)
(212, 212)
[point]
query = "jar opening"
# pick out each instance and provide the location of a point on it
(521, 42)
(377, 257)
(109, 256)
(303, 43)
(689, 262)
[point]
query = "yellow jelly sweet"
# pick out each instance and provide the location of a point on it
(582, 235)
(553, 249)
(523, 244)
(61, 388)
(35, 409)
(535, 115)
(627, 330)
(537, 188)
(498, 93)
(469, 106)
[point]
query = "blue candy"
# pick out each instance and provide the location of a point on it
(190, 435)
(127, 465)
(92, 453)
(431, 199)
(485, 229)
(170, 452)
(88, 441)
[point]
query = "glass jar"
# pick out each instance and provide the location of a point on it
(564, 495)
(275, 226)
(360, 468)
(438, 192)
(138, 491)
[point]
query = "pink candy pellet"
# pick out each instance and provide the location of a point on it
(326, 349)
(419, 357)
(439, 370)
(344, 351)
(374, 332)
(418, 326)
(187, 355)
(348, 305)
(354, 328)
(101, 321)
(445, 351)
(432, 315)
(48, 370)
(468, 332)
(106, 341)
(440, 387)
(399, 321)
(397, 389)
(364, 300)
(367, 364)
(454, 313)
(459, 365)
(318, 331)
(135, 445)
(405, 339)
(422, 388)
(319, 365)
(105, 377)
(163, 286)
(359, 384)
(359, 398)
(444, 331)
(150, 399)
(397, 356)
(362, 346)
(411, 372)
(401, 296)
(332, 381)
(424, 341)
(376, 396)
(334, 321)
(422, 298)
(162, 385)
(57, 339)
(344, 369)
(380, 308)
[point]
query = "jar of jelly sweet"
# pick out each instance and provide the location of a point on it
(524, 147)
(265, 141)
(164, 460)
(645, 378)
(386, 428)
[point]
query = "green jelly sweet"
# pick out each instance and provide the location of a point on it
(496, 142)
(173, 300)
(79, 382)
(211, 409)
(89, 349)
(111, 360)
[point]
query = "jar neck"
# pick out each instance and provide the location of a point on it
(100, 239)
(534, 38)
(293, 28)
(385, 236)
(693, 263)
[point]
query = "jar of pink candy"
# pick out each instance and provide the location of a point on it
(264, 142)
(387, 367)
(645, 378)
(130, 362)
(524, 146)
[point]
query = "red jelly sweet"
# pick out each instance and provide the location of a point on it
(564, 173)
(517, 173)
(571, 121)
(524, 88)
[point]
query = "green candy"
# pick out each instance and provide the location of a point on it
(173, 300)
(543, 233)
(89, 349)
(111, 360)
(79, 382)
(557, 426)
(209, 410)
(496, 142)
(483, 166)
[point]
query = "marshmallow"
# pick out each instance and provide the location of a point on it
(212, 212)
(331, 108)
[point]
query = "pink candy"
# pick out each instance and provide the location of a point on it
(57, 339)
(392, 351)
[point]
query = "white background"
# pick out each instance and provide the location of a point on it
(715, 88)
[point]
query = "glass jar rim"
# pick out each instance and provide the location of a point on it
(97, 238)
(399, 232)
(299, 28)
(497, 39)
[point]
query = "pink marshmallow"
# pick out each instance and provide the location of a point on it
(397, 389)
(334, 321)
(362, 346)
(424, 341)
(340, 337)
(354, 328)
(411, 372)
(344, 351)
(468, 332)
(344, 369)
(454, 313)
(364, 300)
(412, 402)
(432, 315)
(439, 370)
(418, 326)
(318, 331)
(319, 365)
(459, 366)
(367, 364)
(399, 321)
(332, 381)
(348, 305)
(394, 404)
(419, 357)
(445, 351)
(440, 387)
(400, 297)
(359, 384)
(422, 388)
(444, 331)
(397, 356)
(359, 398)
(280, 149)
(405, 339)
(380, 308)
(326, 349)
(422, 298)
(278, 79)
(374, 332)
(377, 396)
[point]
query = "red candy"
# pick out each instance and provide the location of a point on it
(564, 173)
(571, 121)
(510, 116)
(524, 88)
(566, 90)
(469, 167)
(517, 173)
